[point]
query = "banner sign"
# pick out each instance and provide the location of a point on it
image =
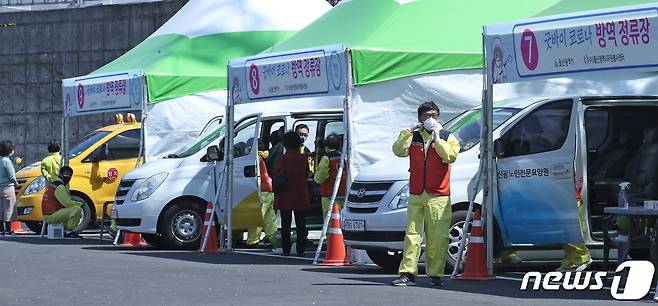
(623, 38)
(117, 92)
(309, 72)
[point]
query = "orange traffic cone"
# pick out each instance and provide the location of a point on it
(476, 259)
(133, 239)
(211, 245)
(17, 227)
(336, 255)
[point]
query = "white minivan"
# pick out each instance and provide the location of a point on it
(544, 150)
(165, 199)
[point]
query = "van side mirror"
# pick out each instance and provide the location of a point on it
(213, 154)
(499, 148)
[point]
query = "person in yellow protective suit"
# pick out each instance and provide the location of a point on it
(431, 150)
(50, 164)
(327, 171)
(57, 205)
(267, 204)
(576, 255)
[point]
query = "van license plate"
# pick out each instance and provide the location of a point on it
(354, 225)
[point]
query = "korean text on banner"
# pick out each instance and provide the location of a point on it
(311, 72)
(104, 93)
(584, 42)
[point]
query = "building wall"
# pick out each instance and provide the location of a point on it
(38, 49)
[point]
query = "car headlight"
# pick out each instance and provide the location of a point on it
(36, 186)
(401, 199)
(147, 187)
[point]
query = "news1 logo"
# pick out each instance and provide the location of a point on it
(630, 281)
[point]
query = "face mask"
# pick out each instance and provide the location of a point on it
(430, 123)
(303, 137)
(12, 153)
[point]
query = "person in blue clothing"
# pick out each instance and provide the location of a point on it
(7, 185)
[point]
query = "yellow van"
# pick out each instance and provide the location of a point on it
(99, 161)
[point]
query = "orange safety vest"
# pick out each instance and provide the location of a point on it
(427, 173)
(50, 204)
(265, 180)
(327, 187)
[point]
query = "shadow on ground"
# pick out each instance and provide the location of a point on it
(219, 258)
(37, 240)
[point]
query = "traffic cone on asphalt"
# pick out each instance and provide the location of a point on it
(211, 245)
(133, 239)
(336, 255)
(17, 227)
(476, 259)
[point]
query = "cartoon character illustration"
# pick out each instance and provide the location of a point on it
(499, 62)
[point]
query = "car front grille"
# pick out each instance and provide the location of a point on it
(122, 192)
(367, 192)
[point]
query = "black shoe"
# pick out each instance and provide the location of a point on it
(404, 280)
(436, 281)
(72, 236)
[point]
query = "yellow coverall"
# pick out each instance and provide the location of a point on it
(427, 211)
(71, 213)
(50, 166)
(267, 213)
(576, 254)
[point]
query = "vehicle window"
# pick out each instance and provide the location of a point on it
(596, 128)
(87, 142)
(466, 127)
(543, 130)
(244, 139)
(268, 133)
(334, 127)
(313, 127)
(200, 143)
(124, 145)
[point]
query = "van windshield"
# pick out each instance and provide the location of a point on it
(87, 142)
(198, 144)
(466, 127)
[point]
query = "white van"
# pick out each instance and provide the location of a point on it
(544, 148)
(165, 199)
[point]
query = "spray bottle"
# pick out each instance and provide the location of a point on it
(623, 199)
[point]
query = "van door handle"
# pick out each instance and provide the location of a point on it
(250, 171)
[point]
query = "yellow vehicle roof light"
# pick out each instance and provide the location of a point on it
(132, 118)
(118, 118)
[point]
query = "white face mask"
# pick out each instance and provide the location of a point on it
(12, 153)
(430, 123)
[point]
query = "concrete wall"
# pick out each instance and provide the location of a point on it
(46, 46)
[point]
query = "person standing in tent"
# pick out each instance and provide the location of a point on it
(431, 150)
(57, 205)
(50, 164)
(327, 171)
(267, 202)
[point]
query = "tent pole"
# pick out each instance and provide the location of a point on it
(228, 148)
(339, 176)
(489, 166)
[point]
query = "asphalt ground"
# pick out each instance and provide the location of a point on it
(37, 271)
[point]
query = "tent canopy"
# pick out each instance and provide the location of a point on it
(391, 39)
(188, 54)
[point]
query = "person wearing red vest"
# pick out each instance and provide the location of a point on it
(267, 203)
(431, 149)
(57, 205)
(326, 173)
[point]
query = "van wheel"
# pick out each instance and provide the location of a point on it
(388, 260)
(34, 226)
(455, 235)
(154, 240)
(180, 226)
(86, 214)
